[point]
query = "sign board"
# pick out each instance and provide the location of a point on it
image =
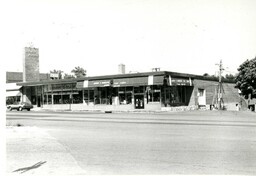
(99, 83)
(82, 84)
(54, 75)
(180, 81)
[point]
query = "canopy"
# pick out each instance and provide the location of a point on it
(13, 93)
(12, 86)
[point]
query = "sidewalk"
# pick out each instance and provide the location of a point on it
(31, 151)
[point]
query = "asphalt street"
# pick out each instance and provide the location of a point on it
(197, 142)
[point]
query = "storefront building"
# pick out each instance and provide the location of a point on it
(144, 91)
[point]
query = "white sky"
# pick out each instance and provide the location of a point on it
(188, 36)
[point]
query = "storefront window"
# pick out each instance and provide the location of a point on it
(97, 94)
(49, 99)
(121, 94)
(129, 95)
(139, 89)
(66, 99)
(78, 97)
(86, 96)
(12, 99)
(57, 99)
(176, 95)
(91, 96)
(45, 99)
(153, 93)
(125, 95)
(104, 95)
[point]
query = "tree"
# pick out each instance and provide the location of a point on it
(79, 72)
(246, 78)
(68, 76)
(230, 76)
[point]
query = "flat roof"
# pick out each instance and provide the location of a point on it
(116, 76)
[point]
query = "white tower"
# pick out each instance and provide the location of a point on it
(121, 69)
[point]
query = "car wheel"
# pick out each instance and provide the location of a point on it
(20, 109)
(28, 109)
(10, 109)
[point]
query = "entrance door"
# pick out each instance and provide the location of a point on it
(139, 101)
(201, 97)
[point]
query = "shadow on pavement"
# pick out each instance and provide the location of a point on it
(25, 169)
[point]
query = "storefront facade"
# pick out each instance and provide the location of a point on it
(142, 91)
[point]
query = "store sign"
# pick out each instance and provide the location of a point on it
(180, 81)
(119, 83)
(54, 75)
(130, 81)
(99, 83)
(67, 86)
(82, 84)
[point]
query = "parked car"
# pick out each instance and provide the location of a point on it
(20, 106)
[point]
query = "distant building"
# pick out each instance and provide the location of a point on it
(121, 69)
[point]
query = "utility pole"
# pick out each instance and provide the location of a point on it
(220, 99)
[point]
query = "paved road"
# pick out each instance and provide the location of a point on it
(199, 142)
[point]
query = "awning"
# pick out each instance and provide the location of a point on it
(94, 83)
(12, 86)
(137, 81)
(13, 93)
(123, 82)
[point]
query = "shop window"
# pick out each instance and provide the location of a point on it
(78, 98)
(66, 99)
(121, 94)
(97, 94)
(45, 99)
(115, 99)
(86, 96)
(12, 100)
(125, 95)
(153, 93)
(33, 100)
(104, 95)
(139, 89)
(174, 96)
(49, 99)
(91, 96)
(129, 95)
(200, 92)
(57, 99)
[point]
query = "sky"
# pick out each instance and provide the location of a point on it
(187, 36)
